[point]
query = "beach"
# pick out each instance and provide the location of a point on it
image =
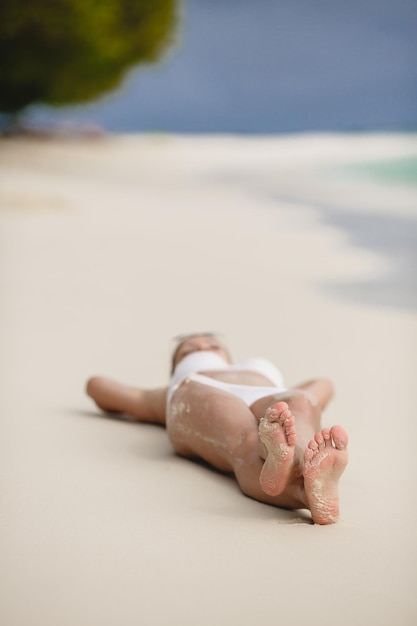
(296, 248)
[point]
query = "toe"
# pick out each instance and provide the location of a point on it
(327, 436)
(340, 437)
(271, 414)
(285, 417)
(291, 435)
(274, 413)
(319, 439)
(308, 455)
(280, 407)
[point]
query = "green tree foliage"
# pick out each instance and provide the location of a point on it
(68, 51)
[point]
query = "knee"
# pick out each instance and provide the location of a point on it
(245, 446)
(327, 392)
(326, 386)
(302, 401)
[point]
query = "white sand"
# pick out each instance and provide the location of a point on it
(108, 249)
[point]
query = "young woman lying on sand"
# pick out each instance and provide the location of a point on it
(241, 419)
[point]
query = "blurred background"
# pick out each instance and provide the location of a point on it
(268, 67)
(241, 66)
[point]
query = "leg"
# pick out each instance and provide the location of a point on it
(321, 389)
(145, 405)
(209, 423)
(221, 429)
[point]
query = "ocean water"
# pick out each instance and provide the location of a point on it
(392, 237)
(270, 66)
(370, 200)
(402, 170)
(394, 240)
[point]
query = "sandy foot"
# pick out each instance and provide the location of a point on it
(324, 462)
(277, 434)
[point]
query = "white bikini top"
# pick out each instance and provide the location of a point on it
(205, 360)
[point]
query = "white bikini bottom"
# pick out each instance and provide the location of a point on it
(248, 393)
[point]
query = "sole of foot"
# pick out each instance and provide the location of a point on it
(325, 460)
(278, 436)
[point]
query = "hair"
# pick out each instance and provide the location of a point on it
(179, 339)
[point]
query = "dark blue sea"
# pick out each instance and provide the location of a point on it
(270, 66)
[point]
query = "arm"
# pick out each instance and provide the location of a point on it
(144, 405)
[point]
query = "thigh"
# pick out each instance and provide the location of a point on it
(209, 423)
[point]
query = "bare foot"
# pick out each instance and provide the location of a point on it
(277, 434)
(324, 462)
